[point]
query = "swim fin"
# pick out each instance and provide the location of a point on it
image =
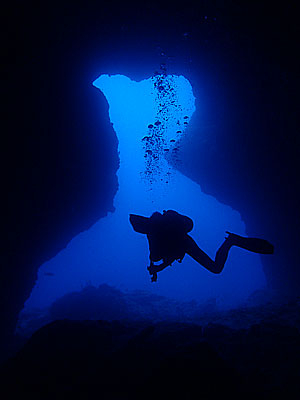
(256, 245)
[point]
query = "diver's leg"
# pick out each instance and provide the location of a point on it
(222, 253)
(255, 245)
(193, 250)
(216, 266)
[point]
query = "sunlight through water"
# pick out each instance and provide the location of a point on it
(149, 117)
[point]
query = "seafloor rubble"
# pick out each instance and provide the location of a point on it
(192, 353)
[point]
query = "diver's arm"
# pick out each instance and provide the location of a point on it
(153, 269)
(160, 267)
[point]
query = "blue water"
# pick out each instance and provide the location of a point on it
(149, 117)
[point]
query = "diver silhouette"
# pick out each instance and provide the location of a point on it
(168, 238)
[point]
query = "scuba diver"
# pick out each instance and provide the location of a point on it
(168, 238)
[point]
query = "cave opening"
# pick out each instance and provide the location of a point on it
(149, 118)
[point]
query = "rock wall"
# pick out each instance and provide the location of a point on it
(75, 359)
(59, 156)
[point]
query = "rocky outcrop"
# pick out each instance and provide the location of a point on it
(141, 359)
(110, 304)
(59, 160)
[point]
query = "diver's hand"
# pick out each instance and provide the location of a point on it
(152, 271)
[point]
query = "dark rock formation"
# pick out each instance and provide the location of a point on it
(108, 303)
(59, 155)
(104, 302)
(161, 360)
(243, 144)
